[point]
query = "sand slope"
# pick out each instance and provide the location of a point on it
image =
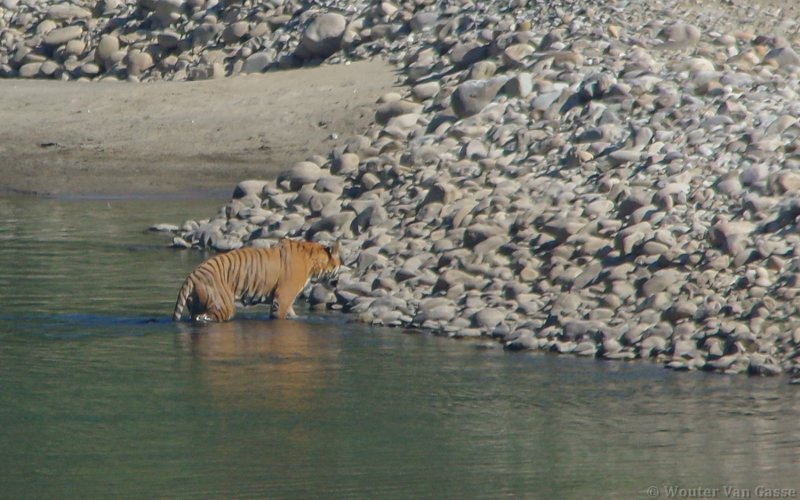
(178, 137)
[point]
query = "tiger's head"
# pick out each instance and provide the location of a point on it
(327, 262)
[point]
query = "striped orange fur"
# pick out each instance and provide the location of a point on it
(252, 276)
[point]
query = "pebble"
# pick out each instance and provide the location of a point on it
(301, 173)
(470, 97)
(62, 35)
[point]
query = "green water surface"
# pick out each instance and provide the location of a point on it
(101, 396)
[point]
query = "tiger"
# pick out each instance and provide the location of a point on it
(250, 276)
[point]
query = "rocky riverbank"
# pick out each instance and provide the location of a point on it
(615, 181)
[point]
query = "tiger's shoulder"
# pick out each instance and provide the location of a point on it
(321, 258)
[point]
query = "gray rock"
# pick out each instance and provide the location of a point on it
(545, 101)
(30, 70)
(235, 31)
(138, 62)
(514, 55)
(61, 36)
(782, 57)
(661, 280)
(679, 34)
(482, 70)
(168, 39)
(257, 62)
(249, 188)
(424, 91)
(520, 85)
(477, 233)
(489, 318)
(472, 96)
(164, 228)
(652, 346)
(729, 236)
(321, 296)
(389, 110)
(106, 48)
(303, 172)
(345, 164)
(49, 68)
(462, 55)
(66, 11)
(423, 21)
(323, 36)
(329, 184)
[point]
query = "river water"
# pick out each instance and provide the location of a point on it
(102, 396)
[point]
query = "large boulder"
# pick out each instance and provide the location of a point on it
(323, 36)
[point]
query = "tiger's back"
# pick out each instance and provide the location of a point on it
(251, 276)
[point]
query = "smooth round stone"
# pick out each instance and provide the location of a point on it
(489, 318)
(520, 85)
(680, 32)
(323, 36)
(138, 62)
(249, 188)
(652, 345)
(423, 21)
(724, 234)
(107, 46)
(65, 11)
(729, 185)
(345, 164)
(514, 56)
(441, 312)
(48, 68)
(30, 70)
(782, 57)
(329, 184)
(599, 208)
(545, 100)
(370, 180)
(472, 96)
(786, 182)
(482, 70)
(75, 47)
(46, 26)
(753, 174)
(236, 31)
(62, 35)
(168, 39)
(227, 244)
(107, 7)
(302, 172)
(164, 227)
(389, 110)
(257, 63)
(321, 295)
(90, 69)
(660, 281)
(478, 233)
(424, 91)
(178, 242)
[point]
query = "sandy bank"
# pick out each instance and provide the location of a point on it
(177, 137)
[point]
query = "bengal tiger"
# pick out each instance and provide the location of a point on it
(253, 276)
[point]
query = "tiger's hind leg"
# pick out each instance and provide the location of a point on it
(212, 307)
